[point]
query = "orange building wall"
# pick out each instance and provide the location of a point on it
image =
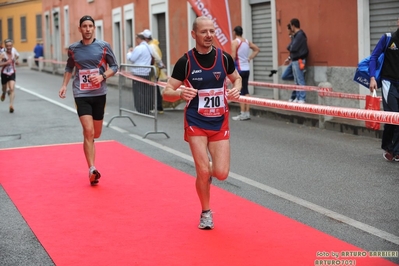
(178, 29)
(99, 10)
(76, 11)
(235, 13)
(28, 9)
(178, 25)
(330, 26)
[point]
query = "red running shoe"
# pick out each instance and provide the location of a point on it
(94, 175)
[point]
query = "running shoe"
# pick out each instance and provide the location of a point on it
(206, 221)
(241, 117)
(159, 112)
(396, 158)
(11, 109)
(94, 175)
(387, 156)
(3, 97)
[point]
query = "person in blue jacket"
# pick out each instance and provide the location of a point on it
(38, 50)
(389, 89)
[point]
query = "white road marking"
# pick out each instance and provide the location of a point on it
(326, 212)
(47, 99)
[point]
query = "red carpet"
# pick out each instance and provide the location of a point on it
(146, 213)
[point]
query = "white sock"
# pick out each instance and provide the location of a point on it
(92, 168)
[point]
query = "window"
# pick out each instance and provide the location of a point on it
(66, 26)
(23, 28)
(39, 27)
(9, 29)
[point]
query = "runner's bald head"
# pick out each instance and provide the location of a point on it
(198, 20)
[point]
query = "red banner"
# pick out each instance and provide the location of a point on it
(218, 11)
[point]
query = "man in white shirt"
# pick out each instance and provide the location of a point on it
(158, 64)
(143, 93)
(140, 55)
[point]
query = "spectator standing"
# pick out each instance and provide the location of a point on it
(240, 51)
(287, 74)
(159, 65)
(298, 53)
(389, 90)
(38, 50)
(143, 93)
(204, 70)
(94, 62)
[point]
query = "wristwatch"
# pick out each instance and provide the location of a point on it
(104, 76)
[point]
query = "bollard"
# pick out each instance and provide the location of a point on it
(320, 99)
(41, 63)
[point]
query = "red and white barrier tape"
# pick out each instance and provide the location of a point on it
(50, 61)
(131, 76)
(349, 113)
(288, 86)
(343, 95)
(322, 91)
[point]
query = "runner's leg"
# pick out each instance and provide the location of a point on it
(220, 153)
(198, 146)
(11, 86)
(88, 138)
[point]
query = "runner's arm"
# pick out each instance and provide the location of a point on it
(234, 45)
(112, 63)
(234, 93)
(255, 51)
(67, 78)
(172, 93)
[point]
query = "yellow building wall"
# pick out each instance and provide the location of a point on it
(16, 9)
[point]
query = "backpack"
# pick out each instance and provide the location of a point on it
(362, 75)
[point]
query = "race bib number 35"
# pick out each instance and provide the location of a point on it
(211, 102)
(84, 79)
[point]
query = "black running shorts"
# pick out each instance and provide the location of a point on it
(94, 106)
(6, 78)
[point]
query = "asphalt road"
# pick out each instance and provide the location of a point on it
(334, 182)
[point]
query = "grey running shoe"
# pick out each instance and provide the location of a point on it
(241, 117)
(206, 221)
(94, 175)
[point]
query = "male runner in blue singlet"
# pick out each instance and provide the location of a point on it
(90, 57)
(204, 70)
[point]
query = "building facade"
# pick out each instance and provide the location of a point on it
(339, 32)
(21, 21)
